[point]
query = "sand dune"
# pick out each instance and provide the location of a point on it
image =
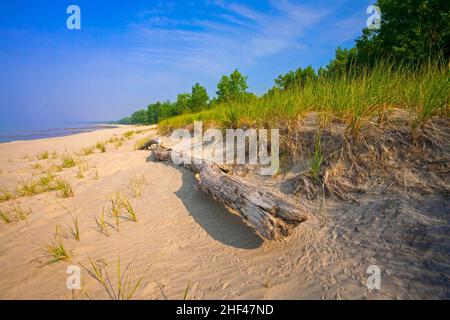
(183, 237)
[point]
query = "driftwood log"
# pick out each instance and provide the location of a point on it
(273, 216)
(150, 143)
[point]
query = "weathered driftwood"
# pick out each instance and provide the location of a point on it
(273, 216)
(150, 143)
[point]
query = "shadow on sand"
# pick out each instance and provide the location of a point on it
(220, 224)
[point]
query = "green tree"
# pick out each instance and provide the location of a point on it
(183, 102)
(168, 110)
(296, 78)
(411, 31)
(345, 61)
(232, 87)
(153, 111)
(138, 117)
(199, 98)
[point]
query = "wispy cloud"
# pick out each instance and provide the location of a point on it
(237, 35)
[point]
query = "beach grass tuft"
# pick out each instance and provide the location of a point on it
(5, 195)
(5, 217)
(87, 151)
(67, 161)
(124, 286)
(57, 252)
(136, 185)
(43, 156)
(130, 211)
(128, 134)
(100, 146)
(101, 223)
(64, 188)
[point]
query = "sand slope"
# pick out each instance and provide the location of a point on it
(182, 236)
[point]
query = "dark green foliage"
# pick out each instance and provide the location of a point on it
(296, 78)
(198, 99)
(412, 31)
(231, 88)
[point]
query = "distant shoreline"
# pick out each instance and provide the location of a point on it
(7, 136)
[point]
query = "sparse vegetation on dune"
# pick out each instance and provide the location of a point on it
(130, 211)
(140, 142)
(100, 146)
(46, 183)
(5, 217)
(124, 286)
(87, 151)
(73, 229)
(14, 214)
(369, 97)
(101, 223)
(136, 185)
(128, 134)
(68, 161)
(57, 252)
(43, 156)
(5, 195)
(64, 188)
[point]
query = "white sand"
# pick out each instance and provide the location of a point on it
(182, 236)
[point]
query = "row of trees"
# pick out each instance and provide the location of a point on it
(230, 88)
(411, 32)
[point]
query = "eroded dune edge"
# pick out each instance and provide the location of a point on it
(93, 200)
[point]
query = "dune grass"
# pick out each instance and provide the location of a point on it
(37, 166)
(5, 217)
(423, 92)
(73, 229)
(43, 156)
(67, 161)
(101, 223)
(46, 183)
(140, 142)
(5, 195)
(136, 185)
(57, 252)
(128, 134)
(29, 188)
(19, 213)
(124, 286)
(64, 188)
(100, 146)
(15, 214)
(87, 151)
(130, 211)
(114, 210)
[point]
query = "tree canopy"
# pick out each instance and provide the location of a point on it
(232, 87)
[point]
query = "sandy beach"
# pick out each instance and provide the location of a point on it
(184, 239)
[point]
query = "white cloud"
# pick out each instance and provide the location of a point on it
(237, 37)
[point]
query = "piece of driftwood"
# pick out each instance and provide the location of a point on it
(150, 143)
(273, 216)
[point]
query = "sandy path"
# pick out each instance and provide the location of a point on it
(181, 236)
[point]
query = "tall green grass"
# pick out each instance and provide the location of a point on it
(422, 91)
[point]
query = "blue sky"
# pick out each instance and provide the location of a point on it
(130, 53)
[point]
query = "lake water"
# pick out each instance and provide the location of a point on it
(7, 135)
